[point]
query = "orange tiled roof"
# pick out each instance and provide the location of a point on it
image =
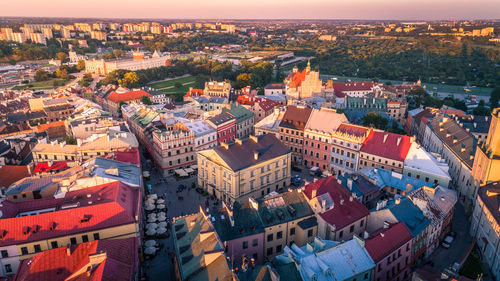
(127, 96)
(43, 127)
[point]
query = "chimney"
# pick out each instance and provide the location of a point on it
(386, 225)
(255, 155)
(399, 141)
(224, 145)
(313, 193)
(349, 184)
(397, 201)
(68, 250)
(254, 138)
(79, 142)
(385, 137)
(238, 141)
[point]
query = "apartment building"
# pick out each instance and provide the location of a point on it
(331, 201)
(225, 125)
(102, 212)
(243, 169)
(318, 137)
(346, 144)
(244, 119)
(271, 123)
(217, 89)
(292, 129)
(123, 95)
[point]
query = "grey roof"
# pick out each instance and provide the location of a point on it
(246, 222)
(284, 207)
(241, 156)
(127, 173)
(221, 118)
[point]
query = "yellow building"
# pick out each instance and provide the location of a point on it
(303, 85)
(101, 212)
(250, 168)
(486, 168)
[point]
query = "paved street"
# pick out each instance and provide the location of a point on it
(443, 258)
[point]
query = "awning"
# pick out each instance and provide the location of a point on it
(189, 170)
(181, 173)
(194, 167)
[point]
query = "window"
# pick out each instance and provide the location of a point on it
(352, 229)
(53, 244)
(96, 236)
(310, 233)
(279, 235)
(269, 251)
(245, 244)
(24, 250)
(73, 240)
(292, 231)
(255, 242)
(8, 268)
(85, 238)
(270, 237)
(5, 254)
(361, 223)
(37, 248)
(278, 249)
(341, 234)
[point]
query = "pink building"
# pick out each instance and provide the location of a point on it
(225, 124)
(390, 248)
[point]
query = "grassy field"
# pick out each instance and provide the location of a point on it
(42, 85)
(169, 88)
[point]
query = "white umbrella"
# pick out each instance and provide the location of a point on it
(150, 243)
(161, 230)
(152, 215)
(161, 219)
(160, 206)
(151, 220)
(153, 196)
(151, 232)
(149, 201)
(150, 250)
(163, 224)
(160, 201)
(152, 225)
(149, 207)
(159, 214)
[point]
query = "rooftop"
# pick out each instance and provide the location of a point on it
(119, 96)
(296, 117)
(284, 207)
(325, 120)
(221, 118)
(490, 195)
(9, 174)
(240, 112)
(409, 214)
(384, 241)
(418, 158)
(387, 145)
(383, 178)
(244, 221)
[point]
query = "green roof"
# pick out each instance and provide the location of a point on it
(239, 112)
(356, 102)
(246, 222)
(283, 208)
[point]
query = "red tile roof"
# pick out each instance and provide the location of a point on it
(296, 117)
(43, 127)
(297, 78)
(385, 241)
(45, 167)
(343, 213)
(9, 174)
(120, 262)
(352, 129)
(194, 93)
(117, 97)
(387, 145)
(108, 205)
(131, 156)
(267, 104)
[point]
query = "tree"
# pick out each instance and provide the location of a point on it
(243, 80)
(494, 97)
(129, 80)
(64, 74)
(86, 80)
(41, 75)
(80, 65)
(108, 56)
(62, 57)
(69, 139)
(146, 100)
(376, 120)
(118, 53)
(481, 110)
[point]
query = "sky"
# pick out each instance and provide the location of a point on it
(256, 9)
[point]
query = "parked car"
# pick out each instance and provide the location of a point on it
(296, 181)
(447, 242)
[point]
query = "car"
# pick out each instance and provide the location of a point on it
(447, 242)
(296, 181)
(296, 169)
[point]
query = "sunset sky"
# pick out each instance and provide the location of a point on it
(256, 9)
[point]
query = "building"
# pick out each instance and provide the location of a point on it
(199, 253)
(217, 89)
(447, 138)
(354, 89)
(138, 62)
(304, 84)
(82, 128)
(95, 145)
(485, 225)
(173, 145)
(123, 95)
(250, 168)
(318, 135)
(364, 190)
(403, 210)
(240, 229)
(292, 128)
(420, 164)
(346, 144)
(274, 90)
(225, 125)
(487, 157)
(287, 220)
(102, 212)
(340, 214)
(244, 119)
(205, 136)
(392, 183)
(330, 261)
(385, 150)
(390, 248)
(270, 124)
(111, 259)
(261, 107)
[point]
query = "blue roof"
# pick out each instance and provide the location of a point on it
(409, 214)
(393, 179)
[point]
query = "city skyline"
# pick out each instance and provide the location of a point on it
(259, 9)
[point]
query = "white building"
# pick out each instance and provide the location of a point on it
(204, 135)
(420, 164)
